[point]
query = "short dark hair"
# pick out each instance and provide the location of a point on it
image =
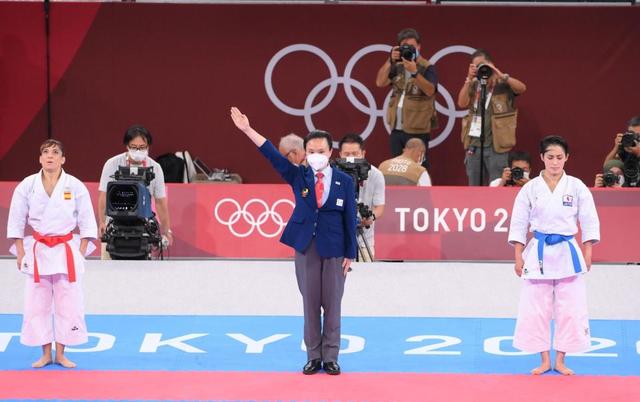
(408, 33)
(351, 138)
(634, 121)
(318, 134)
(51, 143)
(137, 130)
(483, 53)
(553, 140)
(519, 156)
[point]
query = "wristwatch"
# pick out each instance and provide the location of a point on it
(505, 77)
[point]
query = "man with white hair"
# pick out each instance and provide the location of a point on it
(291, 147)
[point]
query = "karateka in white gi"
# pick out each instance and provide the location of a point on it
(54, 204)
(552, 263)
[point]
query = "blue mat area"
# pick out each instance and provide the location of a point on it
(273, 343)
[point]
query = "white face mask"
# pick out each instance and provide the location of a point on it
(525, 174)
(138, 155)
(317, 161)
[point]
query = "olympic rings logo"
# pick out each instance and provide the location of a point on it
(254, 223)
(371, 108)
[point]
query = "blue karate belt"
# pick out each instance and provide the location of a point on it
(551, 239)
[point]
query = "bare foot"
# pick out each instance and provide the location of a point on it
(45, 360)
(562, 369)
(541, 369)
(64, 362)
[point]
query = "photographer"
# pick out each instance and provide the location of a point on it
(406, 170)
(518, 173)
(627, 149)
(371, 190)
(612, 176)
(137, 139)
(500, 118)
(411, 112)
(633, 127)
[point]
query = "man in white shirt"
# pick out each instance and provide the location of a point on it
(371, 193)
(137, 139)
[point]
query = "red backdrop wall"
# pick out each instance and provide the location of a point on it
(178, 68)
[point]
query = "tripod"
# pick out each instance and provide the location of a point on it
(368, 256)
(483, 100)
(363, 212)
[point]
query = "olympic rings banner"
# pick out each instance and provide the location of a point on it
(178, 68)
(436, 223)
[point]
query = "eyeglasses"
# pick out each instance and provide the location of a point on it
(140, 148)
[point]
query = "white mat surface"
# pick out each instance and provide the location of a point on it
(231, 287)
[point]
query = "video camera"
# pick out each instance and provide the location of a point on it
(358, 169)
(133, 231)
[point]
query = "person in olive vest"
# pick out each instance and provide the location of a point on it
(499, 123)
(411, 111)
(405, 170)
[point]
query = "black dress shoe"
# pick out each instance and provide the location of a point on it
(312, 366)
(331, 368)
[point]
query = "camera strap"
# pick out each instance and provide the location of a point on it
(476, 121)
(486, 105)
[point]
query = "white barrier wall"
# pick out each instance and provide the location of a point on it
(232, 287)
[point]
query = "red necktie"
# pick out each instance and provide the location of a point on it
(319, 188)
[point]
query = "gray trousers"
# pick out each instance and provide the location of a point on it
(321, 283)
(494, 164)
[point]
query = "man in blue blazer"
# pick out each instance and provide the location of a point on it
(322, 230)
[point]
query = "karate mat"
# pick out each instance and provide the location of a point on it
(232, 331)
(258, 358)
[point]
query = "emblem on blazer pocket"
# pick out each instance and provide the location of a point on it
(304, 192)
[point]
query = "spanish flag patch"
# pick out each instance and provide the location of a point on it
(67, 195)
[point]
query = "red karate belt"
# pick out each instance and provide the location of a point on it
(51, 241)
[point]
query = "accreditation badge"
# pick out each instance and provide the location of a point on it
(476, 124)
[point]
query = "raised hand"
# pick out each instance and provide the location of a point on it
(240, 120)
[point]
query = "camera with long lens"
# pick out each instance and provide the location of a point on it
(133, 231)
(630, 139)
(609, 179)
(407, 52)
(484, 71)
(631, 162)
(358, 169)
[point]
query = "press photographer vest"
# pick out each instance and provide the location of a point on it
(418, 109)
(502, 115)
(401, 171)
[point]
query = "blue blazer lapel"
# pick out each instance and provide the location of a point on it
(309, 181)
(331, 200)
